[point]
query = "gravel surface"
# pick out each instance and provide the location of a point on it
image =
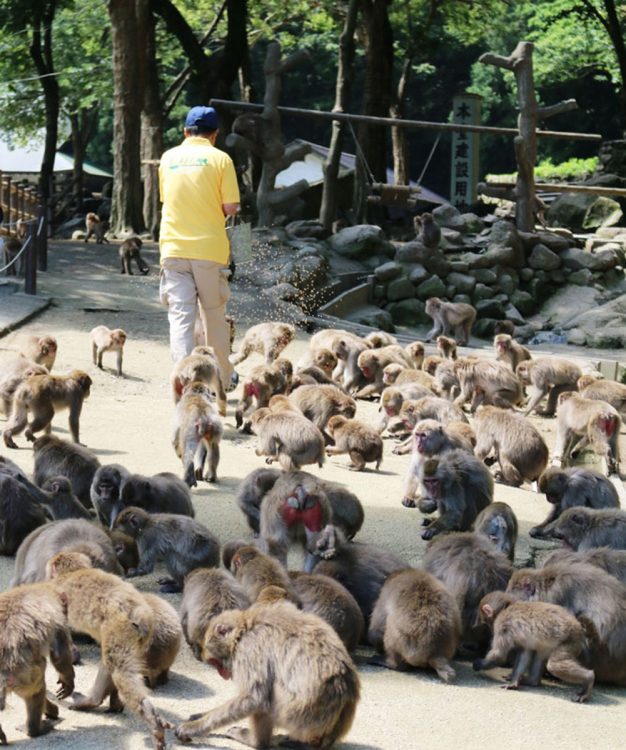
(128, 420)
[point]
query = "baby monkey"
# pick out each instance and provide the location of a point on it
(103, 340)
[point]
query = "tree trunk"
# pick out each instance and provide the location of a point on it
(78, 152)
(41, 52)
(128, 67)
(151, 127)
(343, 87)
(398, 135)
(617, 38)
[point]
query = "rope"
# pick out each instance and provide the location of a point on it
(24, 246)
(361, 155)
(430, 156)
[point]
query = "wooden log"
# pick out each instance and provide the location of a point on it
(560, 187)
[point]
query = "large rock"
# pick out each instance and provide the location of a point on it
(555, 242)
(412, 252)
(482, 291)
(375, 318)
(307, 228)
(358, 241)
(524, 302)
(408, 312)
(582, 277)
(507, 283)
(464, 283)
(418, 274)
(543, 258)
(449, 216)
(388, 271)
(398, 289)
(580, 211)
(490, 308)
(485, 275)
(504, 242)
(437, 264)
(432, 287)
(603, 260)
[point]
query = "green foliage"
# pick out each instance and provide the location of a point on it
(546, 171)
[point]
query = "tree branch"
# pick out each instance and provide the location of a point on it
(556, 109)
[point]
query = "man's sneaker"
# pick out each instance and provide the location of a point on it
(234, 380)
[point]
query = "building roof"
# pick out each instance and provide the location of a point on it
(27, 160)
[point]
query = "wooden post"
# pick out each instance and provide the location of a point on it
(30, 262)
(7, 213)
(42, 238)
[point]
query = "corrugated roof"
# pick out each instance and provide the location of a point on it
(27, 159)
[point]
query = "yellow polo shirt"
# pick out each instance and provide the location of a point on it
(195, 179)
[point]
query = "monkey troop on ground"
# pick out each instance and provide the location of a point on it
(79, 528)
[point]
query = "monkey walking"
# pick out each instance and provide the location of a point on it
(103, 340)
(97, 227)
(129, 251)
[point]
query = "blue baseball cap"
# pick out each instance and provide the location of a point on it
(202, 117)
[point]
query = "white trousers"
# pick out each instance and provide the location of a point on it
(186, 286)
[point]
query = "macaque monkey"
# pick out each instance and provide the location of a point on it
(117, 617)
(295, 506)
(290, 439)
(267, 339)
(183, 544)
(415, 352)
(97, 227)
(549, 376)
(130, 250)
(21, 229)
(311, 376)
(393, 397)
(444, 372)
(40, 349)
(416, 622)
(164, 644)
(103, 340)
(258, 648)
(322, 358)
(320, 402)
(446, 347)
(56, 457)
(430, 438)
(504, 326)
(587, 528)
(255, 570)
(544, 636)
(450, 317)
(197, 434)
(612, 561)
(43, 395)
(105, 492)
(518, 446)
(378, 339)
(430, 407)
(200, 365)
(362, 443)
(470, 567)
(20, 513)
(348, 349)
(395, 374)
(598, 601)
(569, 488)
(509, 351)
(361, 568)
(161, 493)
(581, 422)
(427, 230)
(487, 382)
(11, 247)
(372, 364)
(208, 592)
(61, 502)
(12, 375)
(459, 486)
(262, 382)
(33, 626)
(498, 523)
(604, 390)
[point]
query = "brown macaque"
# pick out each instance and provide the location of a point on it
(583, 421)
(327, 598)
(446, 347)
(458, 486)
(267, 339)
(296, 506)
(289, 439)
(346, 347)
(487, 382)
(456, 318)
(470, 567)
(70, 535)
(20, 513)
(11, 248)
(499, 524)
(311, 376)
(197, 434)
(322, 358)
(117, 617)
(372, 364)
(105, 492)
(432, 362)
(595, 598)
(61, 502)
(321, 402)
(130, 250)
(516, 444)
(347, 511)
(201, 366)
(612, 561)
(427, 229)
(208, 592)
(181, 542)
(395, 374)
(581, 528)
(415, 352)
(96, 227)
(199, 334)
(509, 351)
(378, 339)
(416, 623)
(544, 636)
(361, 568)
(103, 340)
(610, 391)
(21, 229)
(56, 457)
(360, 441)
(446, 378)
(430, 407)
(40, 349)
(429, 438)
(548, 376)
(161, 493)
(262, 649)
(261, 383)
(43, 395)
(11, 375)
(504, 326)
(34, 626)
(569, 488)
(393, 397)
(164, 644)
(255, 570)
(125, 548)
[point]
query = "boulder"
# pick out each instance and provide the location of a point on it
(359, 241)
(432, 287)
(484, 328)
(505, 247)
(408, 312)
(485, 275)
(418, 274)
(388, 271)
(285, 292)
(513, 314)
(398, 289)
(65, 231)
(602, 260)
(464, 283)
(379, 319)
(507, 283)
(490, 308)
(526, 274)
(555, 242)
(473, 223)
(460, 266)
(584, 211)
(412, 252)
(307, 228)
(451, 236)
(482, 291)
(524, 302)
(464, 298)
(437, 264)
(583, 277)
(448, 216)
(541, 257)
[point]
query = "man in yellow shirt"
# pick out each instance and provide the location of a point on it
(199, 189)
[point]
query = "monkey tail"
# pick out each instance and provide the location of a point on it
(3, 690)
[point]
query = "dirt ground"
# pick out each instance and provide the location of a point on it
(128, 420)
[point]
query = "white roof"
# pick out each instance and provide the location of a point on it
(27, 159)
